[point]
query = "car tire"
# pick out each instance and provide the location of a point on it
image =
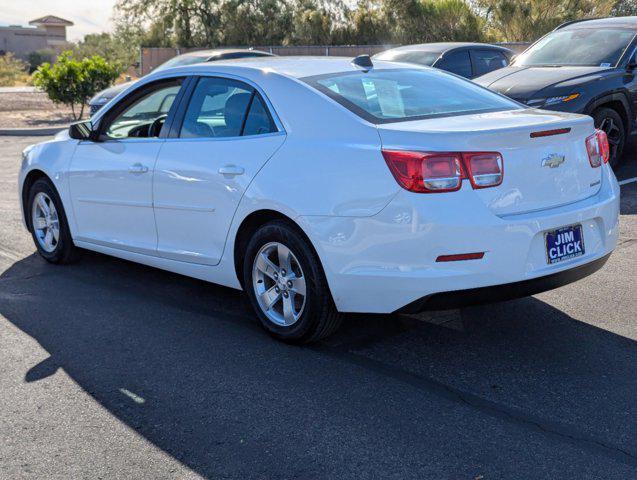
(279, 266)
(611, 122)
(48, 224)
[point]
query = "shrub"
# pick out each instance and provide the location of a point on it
(73, 82)
(39, 57)
(12, 70)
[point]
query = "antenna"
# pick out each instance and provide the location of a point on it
(364, 62)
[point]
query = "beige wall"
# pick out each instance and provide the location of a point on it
(23, 40)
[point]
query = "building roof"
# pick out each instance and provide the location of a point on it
(51, 20)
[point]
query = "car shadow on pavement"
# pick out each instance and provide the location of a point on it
(487, 390)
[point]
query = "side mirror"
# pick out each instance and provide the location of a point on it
(632, 63)
(82, 131)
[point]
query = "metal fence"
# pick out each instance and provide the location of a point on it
(151, 57)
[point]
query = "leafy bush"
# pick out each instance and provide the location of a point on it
(39, 57)
(12, 70)
(73, 82)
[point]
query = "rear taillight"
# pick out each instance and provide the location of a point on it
(426, 172)
(597, 148)
(437, 172)
(484, 169)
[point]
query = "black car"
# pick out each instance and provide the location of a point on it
(198, 56)
(468, 60)
(588, 67)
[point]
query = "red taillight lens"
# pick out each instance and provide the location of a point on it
(598, 148)
(484, 169)
(443, 172)
(425, 172)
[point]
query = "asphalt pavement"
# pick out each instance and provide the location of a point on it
(110, 369)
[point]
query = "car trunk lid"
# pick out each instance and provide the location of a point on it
(540, 170)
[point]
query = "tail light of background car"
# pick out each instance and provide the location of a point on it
(424, 172)
(598, 148)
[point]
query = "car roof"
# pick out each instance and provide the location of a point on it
(296, 67)
(619, 22)
(443, 47)
(221, 51)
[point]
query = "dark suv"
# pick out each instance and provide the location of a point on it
(587, 66)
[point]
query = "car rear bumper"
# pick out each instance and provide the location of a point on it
(500, 293)
(387, 262)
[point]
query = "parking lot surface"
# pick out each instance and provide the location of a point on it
(110, 369)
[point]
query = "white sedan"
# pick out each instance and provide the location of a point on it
(326, 185)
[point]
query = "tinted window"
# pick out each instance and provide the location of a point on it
(217, 108)
(581, 46)
(456, 62)
(221, 107)
(414, 56)
(392, 95)
(485, 61)
(145, 116)
(258, 121)
(180, 61)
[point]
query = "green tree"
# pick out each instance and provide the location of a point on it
(527, 20)
(73, 82)
(38, 57)
(12, 70)
(624, 8)
(113, 47)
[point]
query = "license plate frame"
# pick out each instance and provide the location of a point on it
(571, 236)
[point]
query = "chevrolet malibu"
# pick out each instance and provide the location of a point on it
(325, 185)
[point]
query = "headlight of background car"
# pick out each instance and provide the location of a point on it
(103, 100)
(542, 102)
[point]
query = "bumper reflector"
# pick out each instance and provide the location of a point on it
(460, 256)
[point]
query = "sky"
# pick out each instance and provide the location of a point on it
(92, 16)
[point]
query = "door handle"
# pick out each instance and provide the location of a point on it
(231, 170)
(137, 168)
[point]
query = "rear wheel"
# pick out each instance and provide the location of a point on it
(287, 287)
(611, 122)
(47, 220)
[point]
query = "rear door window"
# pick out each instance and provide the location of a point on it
(222, 107)
(457, 62)
(485, 61)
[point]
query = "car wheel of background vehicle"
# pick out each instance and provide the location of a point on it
(286, 285)
(611, 122)
(48, 224)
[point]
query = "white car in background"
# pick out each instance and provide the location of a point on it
(325, 185)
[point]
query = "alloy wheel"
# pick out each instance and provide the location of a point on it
(45, 221)
(614, 133)
(279, 284)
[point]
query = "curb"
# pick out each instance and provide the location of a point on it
(32, 132)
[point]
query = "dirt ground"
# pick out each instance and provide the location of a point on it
(32, 109)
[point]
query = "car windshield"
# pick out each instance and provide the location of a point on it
(413, 56)
(181, 60)
(394, 95)
(601, 47)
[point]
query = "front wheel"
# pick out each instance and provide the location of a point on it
(287, 287)
(48, 225)
(611, 122)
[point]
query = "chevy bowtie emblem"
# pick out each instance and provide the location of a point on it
(554, 160)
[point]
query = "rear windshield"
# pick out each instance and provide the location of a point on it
(395, 95)
(411, 56)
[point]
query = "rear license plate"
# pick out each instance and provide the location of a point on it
(564, 243)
